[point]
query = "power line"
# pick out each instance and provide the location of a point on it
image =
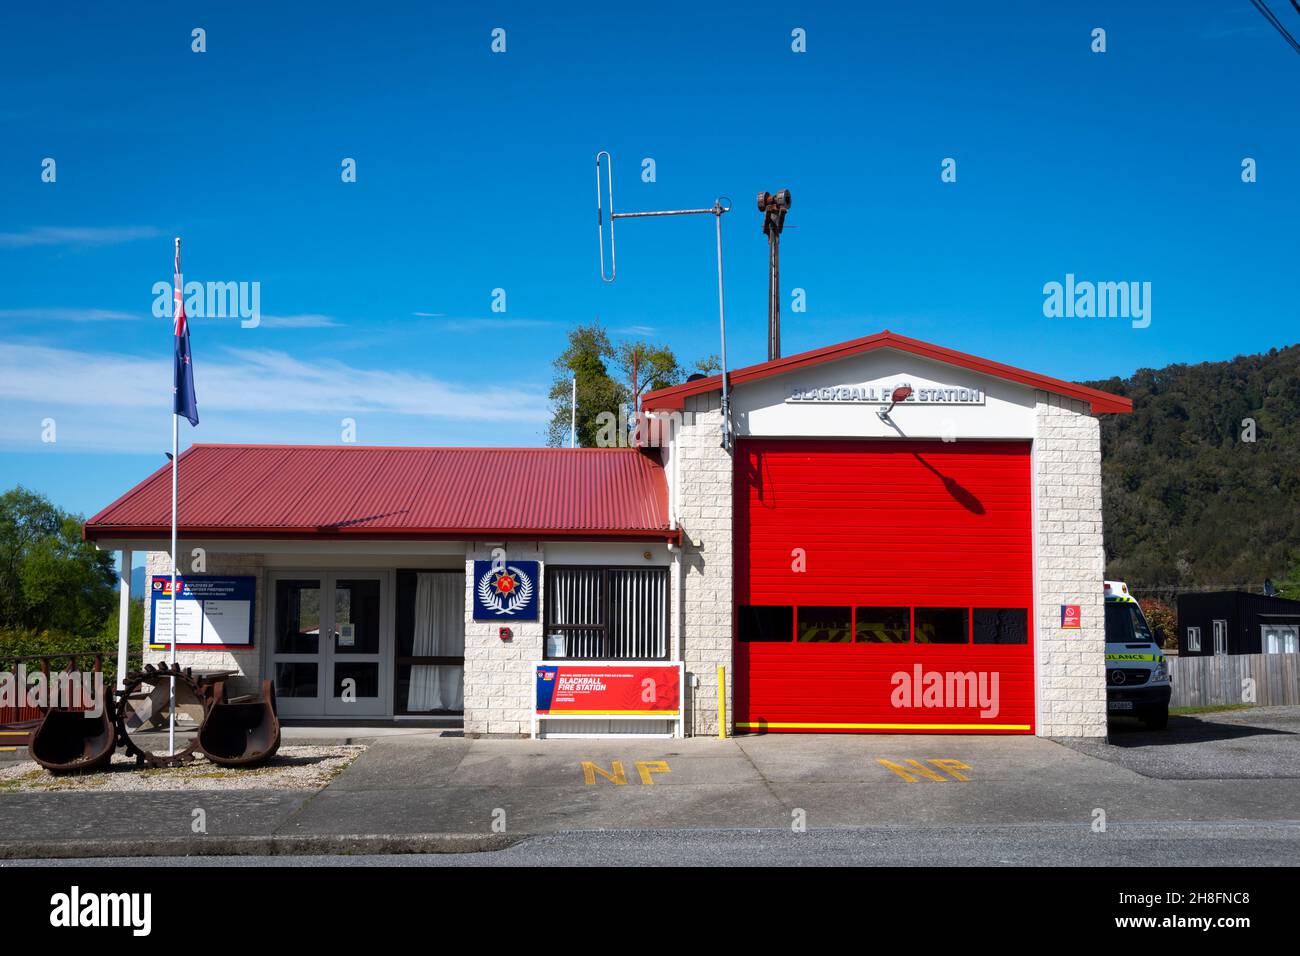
(1268, 15)
(1183, 588)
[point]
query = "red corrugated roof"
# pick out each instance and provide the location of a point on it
(673, 397)
(289, 491)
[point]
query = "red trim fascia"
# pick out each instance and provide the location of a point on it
(431, 534)
(1101, 402)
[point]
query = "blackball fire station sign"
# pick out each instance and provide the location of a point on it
(879, 394)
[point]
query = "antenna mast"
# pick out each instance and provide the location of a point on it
(720, 207)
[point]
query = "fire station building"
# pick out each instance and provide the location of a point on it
(900, 538)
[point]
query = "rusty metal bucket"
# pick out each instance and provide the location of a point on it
(72, 741)
(241, 731)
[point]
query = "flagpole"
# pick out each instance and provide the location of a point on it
(171, 697)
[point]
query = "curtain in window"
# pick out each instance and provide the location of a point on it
(638, 627)
(439, 632)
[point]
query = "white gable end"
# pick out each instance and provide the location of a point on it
(842, 398)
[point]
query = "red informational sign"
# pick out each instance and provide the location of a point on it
(1070, 616)
(615, 690)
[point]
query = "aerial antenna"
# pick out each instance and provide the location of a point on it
(721, 206)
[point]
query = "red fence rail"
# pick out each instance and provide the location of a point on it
(18, 719)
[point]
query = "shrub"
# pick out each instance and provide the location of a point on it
(1163, 621)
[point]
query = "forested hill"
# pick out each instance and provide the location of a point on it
(1190, 500)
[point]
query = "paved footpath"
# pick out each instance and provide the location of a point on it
(431, 792)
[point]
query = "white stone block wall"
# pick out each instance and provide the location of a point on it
(499, 680)
(1069, 568)
(247, 662)
(704, 508)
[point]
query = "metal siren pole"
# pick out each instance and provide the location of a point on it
(720, 207)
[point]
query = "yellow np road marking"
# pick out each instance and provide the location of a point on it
(617, 775)
(953, 767)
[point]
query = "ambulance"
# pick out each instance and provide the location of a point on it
(1137, 674)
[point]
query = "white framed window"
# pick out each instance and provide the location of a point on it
(1280, 638)
(1193, 640)
(1220, 637)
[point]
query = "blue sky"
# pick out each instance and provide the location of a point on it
(474, 172)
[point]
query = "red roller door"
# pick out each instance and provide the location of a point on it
(884, 586)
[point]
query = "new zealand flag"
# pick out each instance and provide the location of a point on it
(183, 370)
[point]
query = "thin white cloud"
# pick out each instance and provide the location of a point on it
(76, 236)
(108, 400)
(481, 325)
(637, 330)
(306, 321)
(430, 315)
(64, 314)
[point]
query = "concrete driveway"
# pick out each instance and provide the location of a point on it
(1219, 769)
(1256, 744)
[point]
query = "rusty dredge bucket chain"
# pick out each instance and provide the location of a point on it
(132, 691)
(230, 732)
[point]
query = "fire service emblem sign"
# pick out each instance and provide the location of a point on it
(506, 591)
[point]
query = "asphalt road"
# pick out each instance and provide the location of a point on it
(1216, 789)
(1137, 845)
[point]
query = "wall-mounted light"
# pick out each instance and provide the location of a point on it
(900, 394)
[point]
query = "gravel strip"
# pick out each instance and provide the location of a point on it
(293, 768)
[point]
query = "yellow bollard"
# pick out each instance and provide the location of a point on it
(722, 702)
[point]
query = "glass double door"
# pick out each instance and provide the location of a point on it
(329, 645)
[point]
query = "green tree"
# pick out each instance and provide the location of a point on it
(587, 358)
(50, 579)
(647, 367)
(707, 365)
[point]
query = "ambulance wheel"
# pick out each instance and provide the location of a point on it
(1157, 719)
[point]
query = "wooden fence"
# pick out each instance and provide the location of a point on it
(1203, 681)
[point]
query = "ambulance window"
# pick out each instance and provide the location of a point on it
(942, 625)
(1140, 625)
(825, 625)
(766, 624)
(1124, 623)
(882, 625)
(1001, 625)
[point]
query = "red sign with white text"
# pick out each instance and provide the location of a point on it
(1070, 616)
(618, 690)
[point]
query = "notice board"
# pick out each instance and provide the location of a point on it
(211, 612)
